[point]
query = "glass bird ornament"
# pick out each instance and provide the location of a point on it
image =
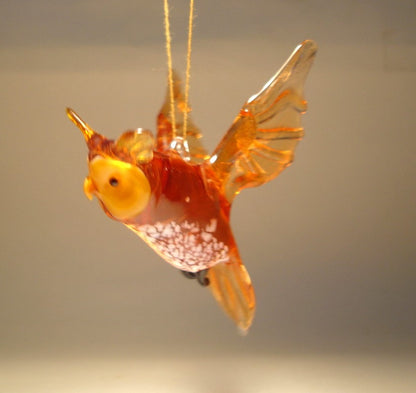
(177, 197)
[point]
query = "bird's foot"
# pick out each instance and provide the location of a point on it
(200, 276)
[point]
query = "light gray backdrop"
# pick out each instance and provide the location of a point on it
(329, 244)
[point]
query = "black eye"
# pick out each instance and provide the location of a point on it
(113, 182)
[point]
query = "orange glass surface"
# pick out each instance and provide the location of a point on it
(185, 218)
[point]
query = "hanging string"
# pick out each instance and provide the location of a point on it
(170, 69)
(188, 67)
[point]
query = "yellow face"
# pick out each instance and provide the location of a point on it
(122, 187)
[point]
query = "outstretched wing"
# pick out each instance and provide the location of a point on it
(193, 150)
(262, 139)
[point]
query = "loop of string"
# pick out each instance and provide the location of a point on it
(170, 69)
(188, 67)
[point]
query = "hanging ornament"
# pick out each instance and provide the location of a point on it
(177, 197)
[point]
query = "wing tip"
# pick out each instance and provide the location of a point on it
(307, 48)
(309, 44)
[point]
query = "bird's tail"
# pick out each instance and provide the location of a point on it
(231, 286)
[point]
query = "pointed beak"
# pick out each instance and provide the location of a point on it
(86, 130)
(89, 188)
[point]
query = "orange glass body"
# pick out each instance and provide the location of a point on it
(181, 203)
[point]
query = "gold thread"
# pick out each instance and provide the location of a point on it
(170, 70)
(188, 67)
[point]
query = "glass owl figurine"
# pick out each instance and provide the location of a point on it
(177, 197)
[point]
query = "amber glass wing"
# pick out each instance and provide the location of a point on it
(193, 135)
(262, 139)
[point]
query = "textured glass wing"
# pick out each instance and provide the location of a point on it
(262, 139)
(195, 149)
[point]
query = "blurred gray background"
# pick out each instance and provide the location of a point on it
(329, 244)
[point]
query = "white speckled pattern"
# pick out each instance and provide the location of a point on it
(185, 245)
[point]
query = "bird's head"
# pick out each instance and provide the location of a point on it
(115, 177)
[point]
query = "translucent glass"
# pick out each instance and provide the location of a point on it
(186, 219)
